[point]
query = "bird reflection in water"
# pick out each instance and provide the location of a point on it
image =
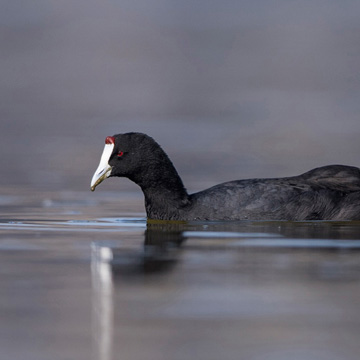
(161, 247)
(111, 264)
(310, 253)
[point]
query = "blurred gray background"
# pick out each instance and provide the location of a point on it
(230, 89)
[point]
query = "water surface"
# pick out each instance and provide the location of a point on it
(85, 276)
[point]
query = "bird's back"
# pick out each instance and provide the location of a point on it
(329, 192)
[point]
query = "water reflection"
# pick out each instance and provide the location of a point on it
(102, 307)
(159, 254)
(240, 253)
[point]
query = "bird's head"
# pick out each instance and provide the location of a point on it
(124, 155)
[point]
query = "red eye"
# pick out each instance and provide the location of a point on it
(120, 154)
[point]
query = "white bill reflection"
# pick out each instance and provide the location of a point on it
(102, 302)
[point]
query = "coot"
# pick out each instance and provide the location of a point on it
(325, 193)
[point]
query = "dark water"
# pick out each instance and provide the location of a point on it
(84, 276)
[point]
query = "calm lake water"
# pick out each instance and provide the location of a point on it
(84, 276)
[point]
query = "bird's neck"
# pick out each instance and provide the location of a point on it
(164, 191)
